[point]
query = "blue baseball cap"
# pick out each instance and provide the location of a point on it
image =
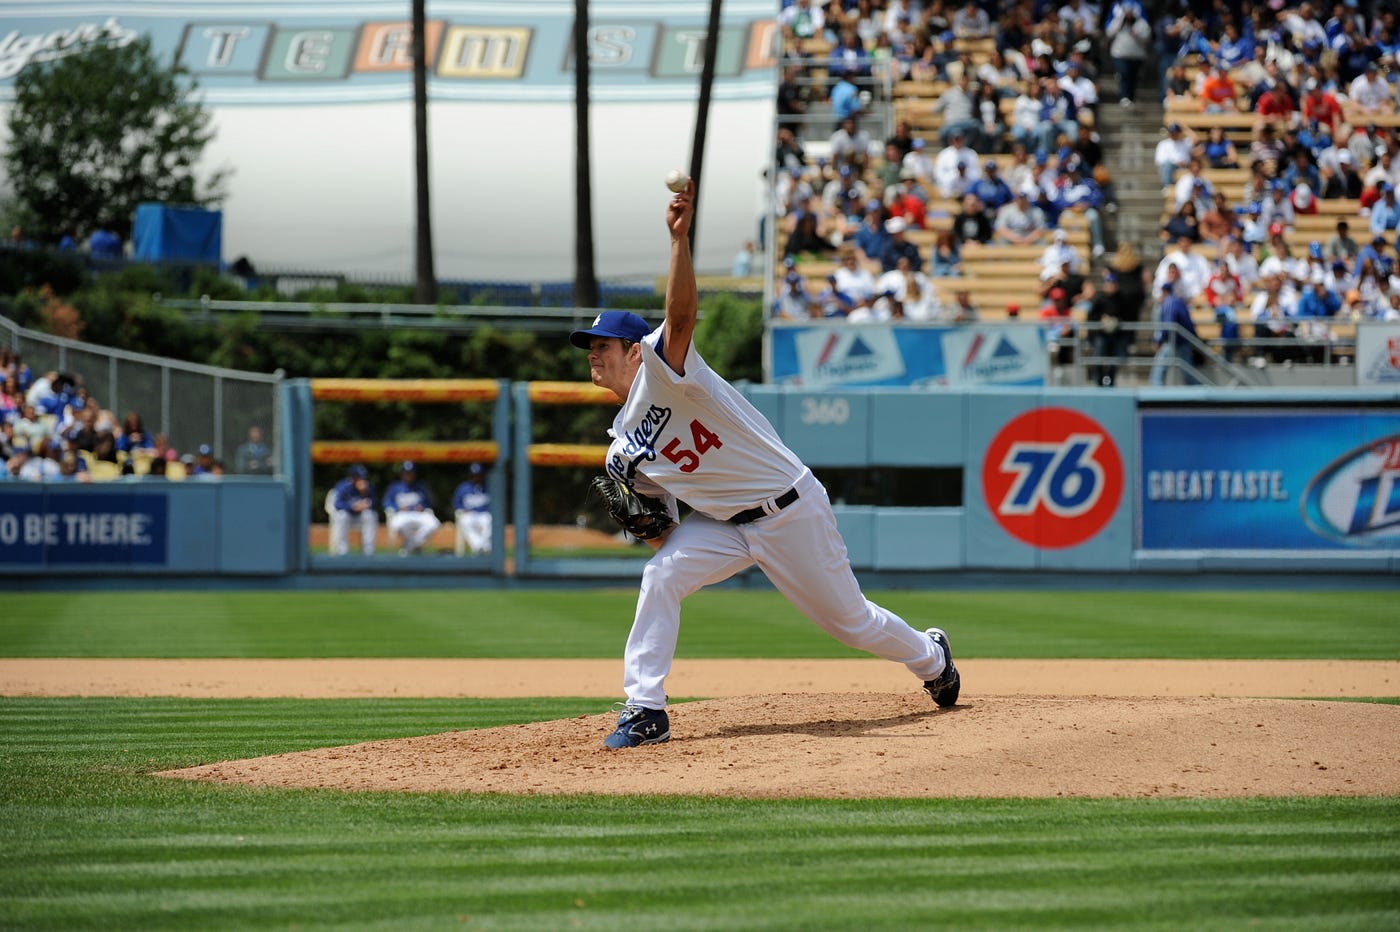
(408, 466)
(358, 472)
(624, 325)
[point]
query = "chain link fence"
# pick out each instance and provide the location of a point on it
(191, 404)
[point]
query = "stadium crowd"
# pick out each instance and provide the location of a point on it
(1280, 207)
(52, 428)
(1015, 148)
(1306, 237)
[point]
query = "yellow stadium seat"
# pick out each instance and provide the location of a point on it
(104, 470)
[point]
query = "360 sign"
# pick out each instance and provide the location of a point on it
(1053, 478)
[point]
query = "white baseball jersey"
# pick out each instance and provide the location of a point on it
(696, 438)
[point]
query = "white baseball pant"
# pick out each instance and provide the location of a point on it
(344, 522)
(474, 530)
(801, 551)
(414, 527)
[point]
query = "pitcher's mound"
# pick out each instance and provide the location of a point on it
(870, 745)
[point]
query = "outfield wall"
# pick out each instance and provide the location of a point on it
(1068, 480)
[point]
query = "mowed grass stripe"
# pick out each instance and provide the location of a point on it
(715, 624)
(1052, 864)
(143, 735)
(88, 841)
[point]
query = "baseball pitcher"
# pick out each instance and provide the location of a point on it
(686, 434)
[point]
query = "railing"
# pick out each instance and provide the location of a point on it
(1217, 365)
(300, 315)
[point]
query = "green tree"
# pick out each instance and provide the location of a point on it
(95, 133)
(730, 336)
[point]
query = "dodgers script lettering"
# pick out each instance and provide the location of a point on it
(638, 443)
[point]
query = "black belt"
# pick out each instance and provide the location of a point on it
(753, 514)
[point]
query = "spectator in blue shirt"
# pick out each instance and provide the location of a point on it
(1081, 194)
(133, 436)
(873, 234)
(1386, 43)
(1236, 49)
(1335, 24)
(849, 58)
(1317, 301)
(991, 189)
(1385, 213)
(1301, 170)
(832, 301)
(897, 247)
(1172, 347)
(1316, 304)
(1354, 53)
(1372, 252)
(845, 99)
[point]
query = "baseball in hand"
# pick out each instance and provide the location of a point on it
(676, 180)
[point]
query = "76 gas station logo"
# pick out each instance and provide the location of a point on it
(1052, 478)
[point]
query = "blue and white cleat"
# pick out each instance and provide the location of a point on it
(637, 726)
(944, 689)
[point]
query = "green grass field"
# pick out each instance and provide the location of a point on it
(719, 623)
(88, 840)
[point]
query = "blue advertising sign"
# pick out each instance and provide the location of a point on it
(1300, 479)
(842, 354)
(82, 528)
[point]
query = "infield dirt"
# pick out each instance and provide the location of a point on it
(841, 728)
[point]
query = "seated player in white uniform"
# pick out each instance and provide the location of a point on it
(408, 509)
(471, 505)
(686, 434)
(350, 507)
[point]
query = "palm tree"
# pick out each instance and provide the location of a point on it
(585, 275)
(702, 113)
(425, 290)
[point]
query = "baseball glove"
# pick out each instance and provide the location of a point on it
(642, 516)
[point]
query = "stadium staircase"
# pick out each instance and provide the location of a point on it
(1130, 136)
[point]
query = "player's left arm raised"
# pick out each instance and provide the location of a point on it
(682, 297)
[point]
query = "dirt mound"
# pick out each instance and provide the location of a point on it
(876, 745)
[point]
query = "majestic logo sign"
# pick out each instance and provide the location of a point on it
(977, 356)
(1355, 499)
(1378, 353)
(1053, 478)
(1385, 366)
(849, 355)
